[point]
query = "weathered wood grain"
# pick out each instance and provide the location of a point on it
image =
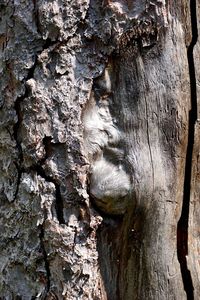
(92, 195)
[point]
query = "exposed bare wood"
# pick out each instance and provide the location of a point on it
(99, 150)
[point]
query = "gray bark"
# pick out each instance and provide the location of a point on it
(99, 150)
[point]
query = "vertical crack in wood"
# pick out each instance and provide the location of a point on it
(149, 144)
(46, 262)
(18, 144)
(182, 228)
(19, 175)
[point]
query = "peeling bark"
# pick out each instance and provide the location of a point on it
(99, 147)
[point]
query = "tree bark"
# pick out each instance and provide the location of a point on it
(99, 143)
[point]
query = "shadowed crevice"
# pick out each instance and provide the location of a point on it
(16, 128)
(19, 175)
(17, 107)
(46, 262)
(59, 201)
(47, 146)
(182, 228)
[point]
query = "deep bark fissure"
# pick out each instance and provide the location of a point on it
(38, 169)
(48, 43)
(16, 127)
(18, 144)
(182, 228)
(59, 205)
(46, 141)
(19, 175)
(46, 262)
(59, 202)
(47, 147)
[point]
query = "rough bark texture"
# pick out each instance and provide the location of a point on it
(99, 143)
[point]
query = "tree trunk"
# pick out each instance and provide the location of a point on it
(99, 143)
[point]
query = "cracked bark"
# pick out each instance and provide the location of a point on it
(55, 243)
(48, 273)
(59, 201)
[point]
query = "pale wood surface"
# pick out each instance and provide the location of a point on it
(63, 236)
